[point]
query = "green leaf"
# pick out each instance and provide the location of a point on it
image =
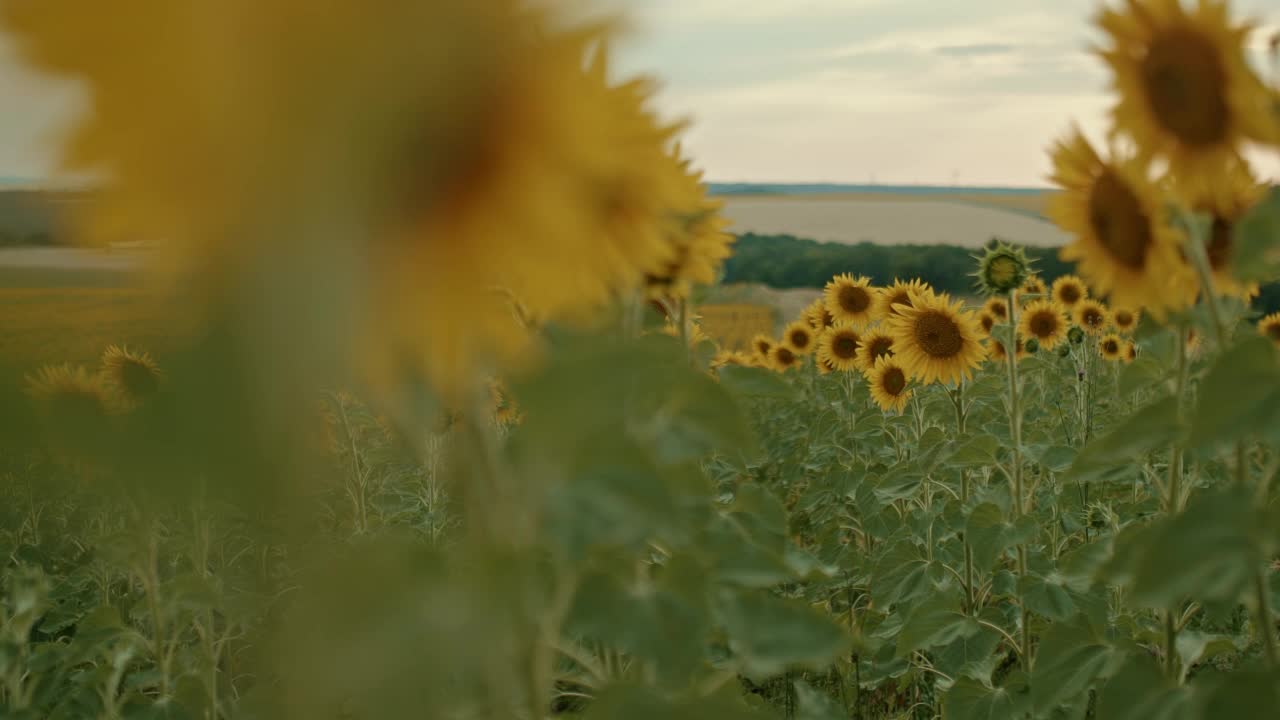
(936, 621)
(1244, 693)
(976, 451)
(1049, 599)
(635, 702)
(1240, 395)
(1256, 245)
(769, 635)
(900, 575)
(1067, 661)
(814, 705)
(1140, 691)
(753, 382)
(971, 700)
(1153, 427)
(1139, 375)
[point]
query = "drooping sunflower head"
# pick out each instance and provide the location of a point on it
(1044, 321)
(1111, 347)
(782, 359)
(1068, 290)
(1001, 269)
(1123, 242)
(899, 293)
(133, 375)
(72, 395)
(850, 299)
(935, 341)
(1092, 316)
(1186, 91)
(838, 347)
(1032, 286)
(818, 316)
(1269, 327)
(997, 307)
(1125, 319)
(799, 337)
(987, 321)
(762, 345)
(875, 345)
(888, 382)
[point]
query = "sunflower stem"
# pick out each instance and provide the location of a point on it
(1015, 431)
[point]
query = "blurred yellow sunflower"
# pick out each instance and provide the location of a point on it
(1130, 352)
(1269, 327)
(1045, 321)
(799, 337)
(762, 345)
(986, 322)
(1068, 290)
(838, 347)
(502, 407)
(1225, 202)
(997, 308)
(899, 293)
(935, 341)
(71, 393)
(998, 352)
(1125, 319)
(818, 316)
(1186, 91)
(1122, 243)
(887, 380)
(695, 233)
(731, 357)
(1032, 286)
(1111, 347)
(851, 300)
(875, 345)
(133, 375)
(782, 359)
(1092, 316)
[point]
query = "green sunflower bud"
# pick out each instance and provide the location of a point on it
(1075, 335)
(1032, 346)
(1064, 350)
(1001, 269)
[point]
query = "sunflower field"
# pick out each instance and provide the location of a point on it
(434, 430)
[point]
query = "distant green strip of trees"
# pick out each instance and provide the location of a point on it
(786, 261)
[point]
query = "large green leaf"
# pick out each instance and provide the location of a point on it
(753, 382)
(971, 700)
(636, 702)
(936, 621)
(1256, 247)
(1140, 691)
(769, 635)
(1240, 396)
(1045, 597)
(1153, 427)
(1068, 660)
(900, 575)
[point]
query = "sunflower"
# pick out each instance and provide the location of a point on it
(1032, 286)
(72, 394)
(800, 337)
(899, 293)
(987, 321)
(1124, 319)
(1002, 269)
(133, 375)
(762, 345)
(1269, 327)
(1122, 242)
(887, 380)
(838, 347)
(935, 340)
(731, 357)
(818, 316)
(998, 308)
(782, 359)
(850, 300)
(824, 367)
(1186, 91)
(1225, 202)
(1092, 316)
(502, 406)
(1068, 290)
(1111, 347)
(875, 344)
(1045, 321)
(998, 353)
(1130, 352)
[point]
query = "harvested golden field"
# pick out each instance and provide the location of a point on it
(962, 219)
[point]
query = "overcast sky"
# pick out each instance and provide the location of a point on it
(895, 91)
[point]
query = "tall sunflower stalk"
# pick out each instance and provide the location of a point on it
(1015, 471)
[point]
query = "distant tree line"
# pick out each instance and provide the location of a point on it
(786, 261)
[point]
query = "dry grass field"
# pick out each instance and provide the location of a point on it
(967, 220)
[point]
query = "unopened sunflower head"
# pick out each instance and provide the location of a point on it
(133, 375)
(1001, 269)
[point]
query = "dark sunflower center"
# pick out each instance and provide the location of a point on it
(894, 381)
(880, 347)
(1273, 331)
(785, 356)
(1069, 294)
(827, 318)
(1184, 80)
(1219, 248)
(938, 335)
(799, 338)
(999, 310)
(1123, 318)
(844, 347)
(138, 380)
(763, 347)
(988, 322)
(854, 299)
(900, 298)
(1092, 317)
(1110, 347)
(1116, 217)
(1044, 324)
